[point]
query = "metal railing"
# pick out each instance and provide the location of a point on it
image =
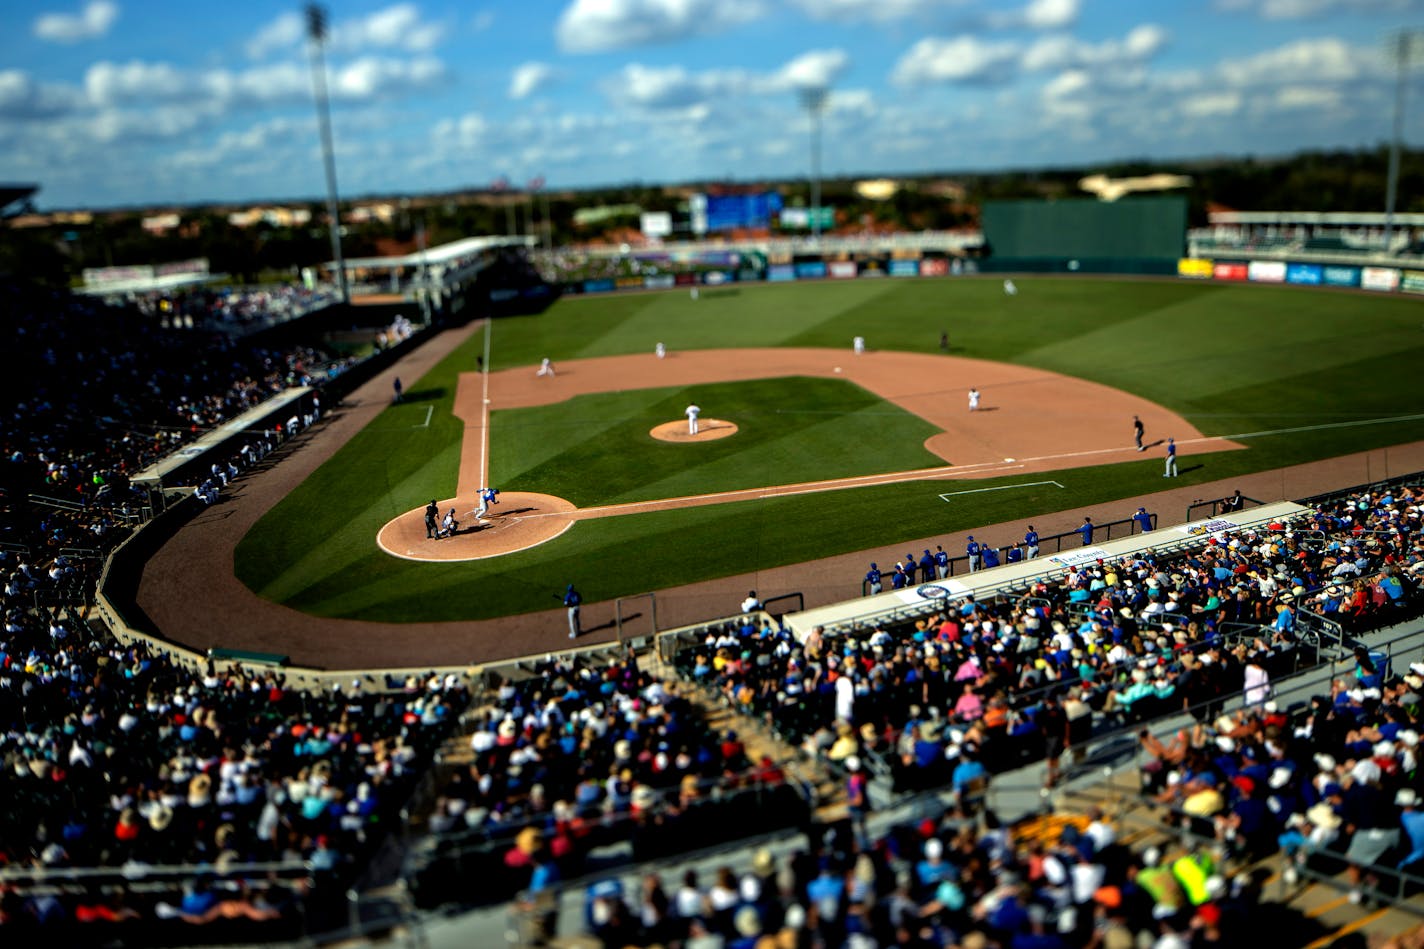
(1218, 506)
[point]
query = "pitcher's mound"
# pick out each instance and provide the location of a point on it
(520, 520)
(708, 430)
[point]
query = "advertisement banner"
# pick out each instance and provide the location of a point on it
(842, 269)
(1201, 528)
(749, 275)
(106, 276)
(1341, 276)
(1230, 271)
(714, 277)
(1074, 557)
(685, 279)
(198, 265)
(1194, 267)
(904, 268)
(597, 286)
(874, 267)
(629, 283)
(656, 224)
(934, 267)
(659, 282)
(1266, 271)
(1413, 281)
(780, 272)
(810, 269)
(1304, 273)
(1379, 278)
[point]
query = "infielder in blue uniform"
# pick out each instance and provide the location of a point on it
(1143, 519)
(976, 559)
(1031, 542)
(873, 580)
(941, 562)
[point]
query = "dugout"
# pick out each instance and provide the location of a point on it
(1134, 235)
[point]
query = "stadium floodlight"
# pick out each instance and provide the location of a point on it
(813, 100)
(1401, 46)
(316, 32)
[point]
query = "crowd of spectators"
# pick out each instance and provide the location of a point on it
(1336, 778)
(1101, 645)
(949, 881)
(117, 757)
(587, 753)
(227, 308)
(88, 407)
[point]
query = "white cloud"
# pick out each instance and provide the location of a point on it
(1051, 14)
(1319, 60)
(959, 59)
(814, 70)
(282, 33)
(672, 87)
(1212, 104)
(92, 22)
(1063, 51)
(397, 27)
(21, 97)
(874, 10)
(595, 26)
(529, 78)
(1303, 9)
(373, 77)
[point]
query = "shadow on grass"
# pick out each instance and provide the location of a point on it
(423, 395)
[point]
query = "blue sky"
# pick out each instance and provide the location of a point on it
(120, 102)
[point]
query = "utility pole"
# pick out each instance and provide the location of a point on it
(316, 32)
(1401, 47)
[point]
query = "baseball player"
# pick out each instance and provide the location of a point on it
(546, 368)
(873, 580)
(973, 400)
(1010, 289)
(975, 558)
(660, 350)
(449, 526)
(1137, 432)
(487, 497)
(858, 344)
(692, 412)
(1171, 471)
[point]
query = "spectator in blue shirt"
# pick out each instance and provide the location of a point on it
(1086, 531)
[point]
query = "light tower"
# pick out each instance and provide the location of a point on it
(316, 32)
(813, 99)
(1401, 46)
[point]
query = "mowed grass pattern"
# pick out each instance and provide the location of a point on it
(1232, 359)
(595, 449)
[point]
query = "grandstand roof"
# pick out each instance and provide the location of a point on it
(438, 255)
(11, 193)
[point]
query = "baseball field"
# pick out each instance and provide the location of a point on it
(823, 451)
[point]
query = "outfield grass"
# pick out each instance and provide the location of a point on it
(1232, 359)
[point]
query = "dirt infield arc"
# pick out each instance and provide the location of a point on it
(1029, 420)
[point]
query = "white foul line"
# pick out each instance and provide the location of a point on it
(485, 408)
(429, 411)
(1004, 487)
